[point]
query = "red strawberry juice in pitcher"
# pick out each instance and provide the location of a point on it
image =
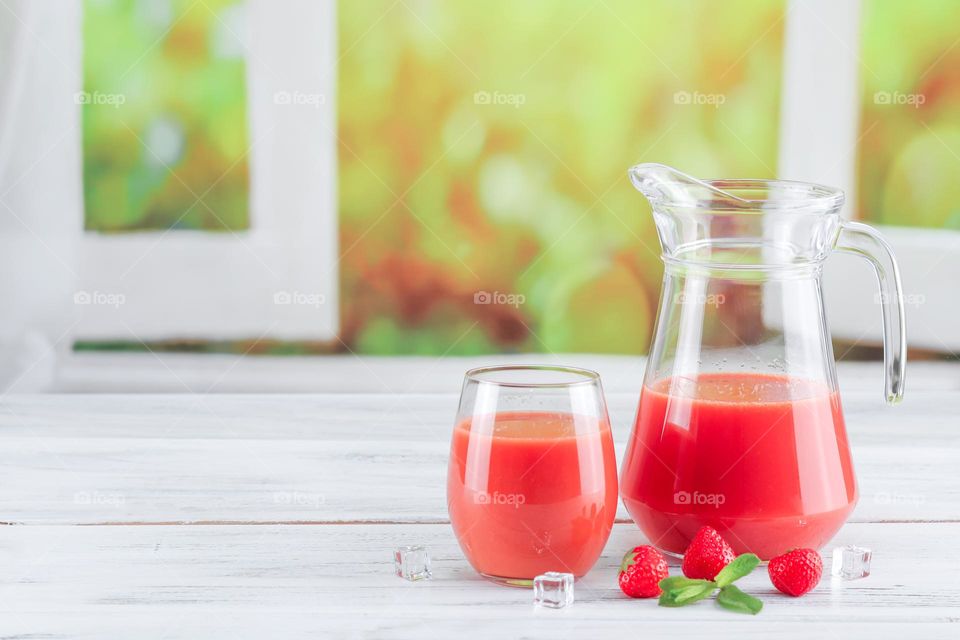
(762, 458)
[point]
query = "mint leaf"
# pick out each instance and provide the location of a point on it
(732, 598)
(740, 566)
(678, 591)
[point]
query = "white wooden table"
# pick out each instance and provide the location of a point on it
(267, 516)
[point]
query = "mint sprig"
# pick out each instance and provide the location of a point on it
(683, 591)
(679, 591)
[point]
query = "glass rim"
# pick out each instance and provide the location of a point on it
(795, 196)
(585, 376)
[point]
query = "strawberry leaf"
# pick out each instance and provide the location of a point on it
(741, 566)
(732, 598)
(629, 559)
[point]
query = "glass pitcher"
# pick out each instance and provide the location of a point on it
(740, 425)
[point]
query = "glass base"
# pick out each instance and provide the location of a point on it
(669, 554)
(519, 583)
(767, 536)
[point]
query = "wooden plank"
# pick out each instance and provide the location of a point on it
(282, 581)
(357, 457)
(349, 373)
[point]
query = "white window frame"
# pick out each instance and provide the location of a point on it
(819, 140)
(277, 279)
(182, 284)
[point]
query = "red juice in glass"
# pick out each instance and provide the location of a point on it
(532, 491)
(762, 458)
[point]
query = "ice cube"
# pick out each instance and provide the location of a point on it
(553, 589)
(412, 562)
(851, 562)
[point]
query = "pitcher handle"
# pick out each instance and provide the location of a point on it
(866, 242)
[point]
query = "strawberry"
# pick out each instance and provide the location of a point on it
(796, 572)
(707, 554)
(641, 571)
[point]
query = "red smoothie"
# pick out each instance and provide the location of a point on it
(530, 492)
(762, 458)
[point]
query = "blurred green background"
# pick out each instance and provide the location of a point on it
(165, 121)
(484, 205)
(507, 143)
(909, 126)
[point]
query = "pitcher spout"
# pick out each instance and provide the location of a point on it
(664, 185)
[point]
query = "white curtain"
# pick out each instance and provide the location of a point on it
(41, 200)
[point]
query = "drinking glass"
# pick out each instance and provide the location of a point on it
(532, 478)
